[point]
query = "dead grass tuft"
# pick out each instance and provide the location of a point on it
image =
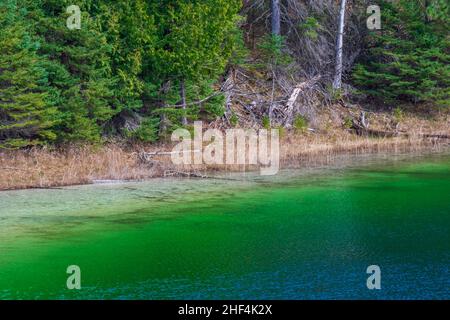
(45, 168)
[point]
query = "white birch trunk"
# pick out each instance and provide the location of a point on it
(337, 83)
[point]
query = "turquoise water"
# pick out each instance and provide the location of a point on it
(299, 235)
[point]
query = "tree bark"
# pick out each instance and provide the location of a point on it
(183, 102)
(276, 17)
(337, 83)
(163, 119)
(276, 31)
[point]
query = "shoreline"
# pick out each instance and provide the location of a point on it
(41, 168)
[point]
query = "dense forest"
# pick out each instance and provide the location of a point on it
(138, 69)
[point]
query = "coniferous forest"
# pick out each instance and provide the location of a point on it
(138, 69)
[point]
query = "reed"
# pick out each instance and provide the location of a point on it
(44, 167)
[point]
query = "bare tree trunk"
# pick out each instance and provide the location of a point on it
(337, 83)
(228, 90)
(183, 101)
(276, 31)
(276, 20)
(163, 119)
(271, 101)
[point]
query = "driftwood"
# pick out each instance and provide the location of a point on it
(148, 158)
(14, 169)
(437, 136)
(19, 169)
(290, 106)
(228, 87)
(279, 102)
(175, 173)
(165, 153)
(363, 130)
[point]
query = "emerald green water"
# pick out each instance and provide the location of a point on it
(299, 235)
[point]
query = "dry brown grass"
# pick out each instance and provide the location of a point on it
(44, 167)
(320, 148)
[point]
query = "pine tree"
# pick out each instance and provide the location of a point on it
(25, 118)
(409, 59)
(128, 26)
(80, 83)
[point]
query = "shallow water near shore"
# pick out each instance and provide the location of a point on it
(303, 234)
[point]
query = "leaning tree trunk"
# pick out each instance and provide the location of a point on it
(337, 83)
(276, 20)
(183, 102)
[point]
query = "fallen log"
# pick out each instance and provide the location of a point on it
(437, 136)
(289, 110)
(360, 130)
(174, 173)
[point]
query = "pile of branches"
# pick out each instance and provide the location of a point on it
(252, 99)
(310, 29)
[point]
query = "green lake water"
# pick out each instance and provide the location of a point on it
(298, 235)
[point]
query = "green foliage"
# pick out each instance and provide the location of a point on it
(266, 122)
(281, 131)
(273, 53)
(310, 28)
(409, 59)
(79, 80)
(129, 56)
(196, 91)
(300, 124)
(336, 95)
(131, 34)
(25, 118)
(148, 130)
(194, 37)
(399, 114)
(348, 123)
(196, 41)
(234, 119)
(439, 10)
(132, 57)
(239, 51)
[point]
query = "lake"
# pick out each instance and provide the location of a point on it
(303, 234)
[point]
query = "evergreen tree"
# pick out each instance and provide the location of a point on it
(80, 82)
(129, 28)
(195, 42)
(409, 59)
(130, 31)
(25, 118)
